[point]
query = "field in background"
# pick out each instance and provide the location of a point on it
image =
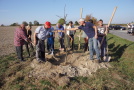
(121, 77)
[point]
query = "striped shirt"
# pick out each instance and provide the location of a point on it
(19, 37)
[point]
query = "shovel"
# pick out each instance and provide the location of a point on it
(107, 58)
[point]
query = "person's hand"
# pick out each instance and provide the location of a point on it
(96, 36)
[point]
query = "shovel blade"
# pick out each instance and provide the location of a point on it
(107, 58)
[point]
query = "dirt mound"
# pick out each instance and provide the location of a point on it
(56, 69)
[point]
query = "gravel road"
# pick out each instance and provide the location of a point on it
(123, 34)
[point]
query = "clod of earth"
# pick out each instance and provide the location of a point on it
(76, 66)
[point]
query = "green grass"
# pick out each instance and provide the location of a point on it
(119, 77)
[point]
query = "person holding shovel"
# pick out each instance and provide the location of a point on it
(41, 33)
(91, 31)
(25, 43)
(29, 34)
(102, 32)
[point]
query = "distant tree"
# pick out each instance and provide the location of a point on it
(2, 25)
(61, 21)
(88, 17)
(30, 23)
(76, 23)
(14, 24)
(25, 23)
(36, 23)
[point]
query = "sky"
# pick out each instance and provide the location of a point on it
(17, 11)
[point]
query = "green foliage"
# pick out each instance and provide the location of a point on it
(61, 21)
(76, 23)
(36, 23)
(25, 23)
(14, 24)
(30, 23)
(2, 25)
(88, 17)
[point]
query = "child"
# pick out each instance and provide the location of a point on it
(50, 42)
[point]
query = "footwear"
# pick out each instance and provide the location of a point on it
(51, 53)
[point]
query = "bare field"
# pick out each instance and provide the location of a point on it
(7, 38)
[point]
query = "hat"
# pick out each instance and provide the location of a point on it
(48, 24)
(82, 19)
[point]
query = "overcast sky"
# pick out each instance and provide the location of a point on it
(12, 11)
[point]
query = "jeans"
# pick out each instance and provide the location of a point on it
(93, 46)
(19, 52)
(50, 45)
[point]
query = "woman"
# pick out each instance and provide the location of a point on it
(29, 34)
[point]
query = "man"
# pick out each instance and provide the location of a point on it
(61, 35)
(102, 32)
(91, 32)
(70, 35)
(19, 38)
(41, 33)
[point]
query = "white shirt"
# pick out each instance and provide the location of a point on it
(70, 32)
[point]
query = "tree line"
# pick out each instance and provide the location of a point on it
(35, 23)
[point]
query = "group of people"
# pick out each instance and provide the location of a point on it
(94, 36)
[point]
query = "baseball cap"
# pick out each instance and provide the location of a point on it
(48, 24)
(81, 19)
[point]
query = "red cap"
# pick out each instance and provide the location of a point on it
(48, 24)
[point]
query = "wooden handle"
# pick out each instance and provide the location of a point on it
(112, 16)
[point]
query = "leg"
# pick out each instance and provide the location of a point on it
(62, 42)
(26, 44)
(90, 40)
(95, 45)
(38, 52)
(72, 46)
(42, 46)
(19, 52)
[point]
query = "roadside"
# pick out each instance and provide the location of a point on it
(122, 34)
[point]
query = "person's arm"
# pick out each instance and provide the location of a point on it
(95, 29)
(35, 35)
(23, 36)
(72, 29)
(35, 38)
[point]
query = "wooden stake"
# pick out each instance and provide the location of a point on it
(81, 11)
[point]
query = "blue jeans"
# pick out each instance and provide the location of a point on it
(93, 47)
